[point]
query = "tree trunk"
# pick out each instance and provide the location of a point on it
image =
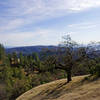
(69, 76)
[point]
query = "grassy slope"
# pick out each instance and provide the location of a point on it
(59, 90)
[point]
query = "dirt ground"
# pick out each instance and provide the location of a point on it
(78, 89)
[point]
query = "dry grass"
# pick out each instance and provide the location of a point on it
(59, 90)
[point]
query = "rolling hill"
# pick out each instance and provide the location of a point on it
(78, 89)
(30, 49)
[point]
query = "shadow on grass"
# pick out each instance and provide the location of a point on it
(52, 93)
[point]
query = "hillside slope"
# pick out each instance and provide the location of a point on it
(59, 90)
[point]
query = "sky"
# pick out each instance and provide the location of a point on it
(44, 22)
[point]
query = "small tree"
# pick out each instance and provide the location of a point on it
(21, 57)
(67, 60)
(2, 53)
(38, 64)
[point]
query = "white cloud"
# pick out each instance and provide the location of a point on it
(15, 38)
(12, 24)
(79, 5)
(49, 7)
(25, 12)
(38, 37)
(83, 25)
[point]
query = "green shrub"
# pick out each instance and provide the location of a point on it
(95, 70)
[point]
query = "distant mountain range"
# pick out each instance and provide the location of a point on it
(30, 49)
(53, 50)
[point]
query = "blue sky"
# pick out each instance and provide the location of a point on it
(44, 22)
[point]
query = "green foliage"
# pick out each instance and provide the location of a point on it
(2, 52)
(16, 82)
(38, 64)
(49, 63)
(21, 59)
(18, 73)
(19, 87)
(95, 70)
